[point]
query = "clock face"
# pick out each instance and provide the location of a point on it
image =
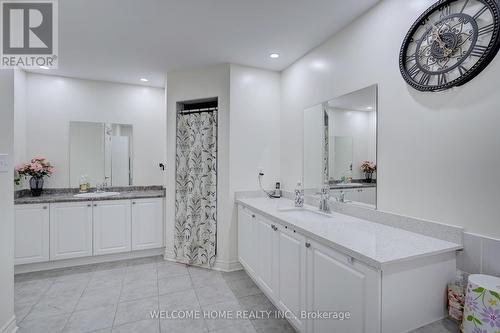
(452, 42)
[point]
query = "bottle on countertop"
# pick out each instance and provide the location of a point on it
(299, 195)
(277, 191)
(84, 184)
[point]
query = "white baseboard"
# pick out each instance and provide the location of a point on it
(223, 266)
(10, 326)
(42, 266)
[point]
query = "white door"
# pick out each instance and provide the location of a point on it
(31, 234)
(267, 246)
(292, 275)
(112, 226)
(70, 230)
(337, 283)
(247, 236)
(147, 224)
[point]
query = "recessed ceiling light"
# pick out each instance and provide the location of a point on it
(274, 56)
(144, 79)
(44, 67)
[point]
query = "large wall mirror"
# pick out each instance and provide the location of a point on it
(340, 147)
(102, 152)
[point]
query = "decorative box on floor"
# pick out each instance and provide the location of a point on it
(482, 305)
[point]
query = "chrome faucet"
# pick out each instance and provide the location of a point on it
(100, 187)
(341, 197)
(324, 201)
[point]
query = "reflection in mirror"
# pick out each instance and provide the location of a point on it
(340, 147)
(101, 152)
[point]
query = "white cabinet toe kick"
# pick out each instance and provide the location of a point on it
(47, 233)
(322, 290)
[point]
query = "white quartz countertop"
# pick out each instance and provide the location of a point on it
(374, 244)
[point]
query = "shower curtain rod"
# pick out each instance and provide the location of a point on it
(199, 110)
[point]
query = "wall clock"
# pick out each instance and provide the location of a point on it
(450, 43)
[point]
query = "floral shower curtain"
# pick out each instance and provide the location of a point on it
(196, 188)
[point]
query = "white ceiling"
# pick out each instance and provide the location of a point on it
(124, 40)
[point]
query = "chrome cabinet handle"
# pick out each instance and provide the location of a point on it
(44, 207)
(350, 260)
(253, 215)
(89, 205)
(133, 202)
(308, 245)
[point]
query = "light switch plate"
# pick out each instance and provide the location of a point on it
(4, 163)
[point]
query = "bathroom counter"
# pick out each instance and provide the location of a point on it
(374, 244)
(346, 186)
(68, 195)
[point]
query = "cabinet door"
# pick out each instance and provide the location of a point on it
(367, 195)
(31, 234)
(292, 274)
(338, 283)
(247, 236)
(351, 194)
(147, 224)
(112, 226)
(70, 230)
(267, 246)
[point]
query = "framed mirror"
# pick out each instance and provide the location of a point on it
(340, 147)
(102, 152)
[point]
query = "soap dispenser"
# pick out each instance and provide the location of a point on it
(299, 195)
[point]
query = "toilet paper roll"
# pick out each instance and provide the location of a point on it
(482, 305)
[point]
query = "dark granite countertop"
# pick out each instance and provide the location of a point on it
(348, 186)
(23, 197)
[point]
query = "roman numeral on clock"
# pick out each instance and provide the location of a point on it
(462, 70)
(478, 50)
(413, 70)
(487, 29)
(480, 12)
(442, 79)
(425, 78)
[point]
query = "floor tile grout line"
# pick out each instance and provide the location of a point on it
(158, 296)
(78, 301)
(197, 298)
(38, 300)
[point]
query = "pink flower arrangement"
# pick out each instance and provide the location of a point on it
(368, 167)
(38, 167)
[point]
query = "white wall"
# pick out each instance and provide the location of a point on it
(437, 152)
(55, 101)
(7, 203)
(313, 133)
(248, 139)
(20, 102)
(255, 127)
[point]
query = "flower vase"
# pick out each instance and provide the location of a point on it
(368, 177)
(36, 186)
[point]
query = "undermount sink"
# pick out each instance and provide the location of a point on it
(298, 212)
(96, 194)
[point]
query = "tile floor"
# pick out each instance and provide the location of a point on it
(119, 297)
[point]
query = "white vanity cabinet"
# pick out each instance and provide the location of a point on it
(338, 283)
(147, 223)
(65, 230)
(112, 226)
(70, 230)
(247, 236)
(31, 234)
(268, 259)
(292, 274)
